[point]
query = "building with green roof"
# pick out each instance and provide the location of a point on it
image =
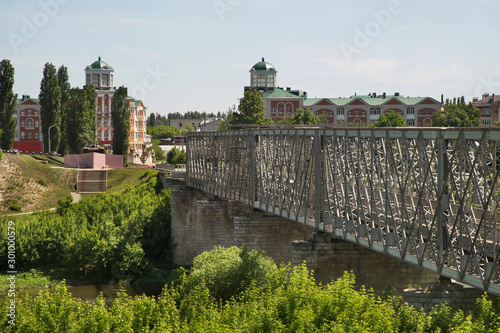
(357, 109)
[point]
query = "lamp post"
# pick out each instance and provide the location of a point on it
(49, 135)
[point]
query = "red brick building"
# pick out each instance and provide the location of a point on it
(29, 126)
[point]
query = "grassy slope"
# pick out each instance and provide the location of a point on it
(55, 182)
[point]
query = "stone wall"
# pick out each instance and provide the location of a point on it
(329, 258)
(457, 296)
(272, 234)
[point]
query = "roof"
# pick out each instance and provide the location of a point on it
(263, 66)
(487, 101)
(20, 100)
(138, 102)
(279, 93)
(369, 100)
(99, 64)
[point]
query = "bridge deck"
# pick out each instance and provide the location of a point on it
(427, 196)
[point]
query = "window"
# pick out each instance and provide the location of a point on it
(331, 114)
(105, 135)
(288, 109)
(281, 109)
(273, 110)
(29, 135)
(350, 113)
(36, 123)
(496, 111)
(357, 112)
(486, 122)
(36, 135)
(374, 110)
(420, 123)
(486, 111)
(410, 122)
(180, 124)
(106, 122)
(98, 135)
(99, 109)
(29, 112)
(420, 112)
(105, 109)
(22, 135)
(340, 111)
(364, 113)
(22, 113)
(30, 123)
(36, 113)
(410, 111)
(427, 111)
(22, 123)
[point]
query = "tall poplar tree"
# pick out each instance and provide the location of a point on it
(120, 118)
(50, 105)
(8, 105)
(80, 120)
(91, 94)
(62, 81)
(252, 109)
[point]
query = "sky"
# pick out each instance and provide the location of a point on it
(195, 55)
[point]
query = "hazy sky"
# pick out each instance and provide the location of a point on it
(194, 55)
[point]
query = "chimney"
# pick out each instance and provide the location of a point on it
(288, 88)
(475, 99)
(442, 99)
(486, 95)
(396, 93)
(384, 95)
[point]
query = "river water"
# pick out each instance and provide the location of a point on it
(109, 291)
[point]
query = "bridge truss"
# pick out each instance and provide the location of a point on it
(427, 196)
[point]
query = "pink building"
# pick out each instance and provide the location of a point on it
(29, 127)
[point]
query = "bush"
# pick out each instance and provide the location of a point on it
(11, 188)
(106, 237)
(175, 156)
(15, 207)
(228, 272)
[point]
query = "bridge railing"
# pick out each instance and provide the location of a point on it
(428, 196)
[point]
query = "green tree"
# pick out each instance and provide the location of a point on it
(188, 128)
(64, 86)
(227, 120)
(390, 119)
(92, 112)
(163, 132)
(457, 115)
(8, 105)
(50, 105)
(301, 117)
(175, 156)
(251, 109)
(120, 115)
(80, 122)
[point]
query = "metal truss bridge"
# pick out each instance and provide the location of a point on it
(428, 196)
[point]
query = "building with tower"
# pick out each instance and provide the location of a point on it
(101, 75)
(357, 109)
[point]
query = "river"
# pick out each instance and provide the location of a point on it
(109, 291)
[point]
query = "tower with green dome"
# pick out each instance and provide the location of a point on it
(262, 76)
(100, 74)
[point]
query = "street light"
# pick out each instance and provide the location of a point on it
(49, 135)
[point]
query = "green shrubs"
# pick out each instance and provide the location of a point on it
(175, 156)
(15, 207)
(11, 187)
(228, 272)
(103, 238)
(291, 302)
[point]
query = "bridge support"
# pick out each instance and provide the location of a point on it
(329, 258)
